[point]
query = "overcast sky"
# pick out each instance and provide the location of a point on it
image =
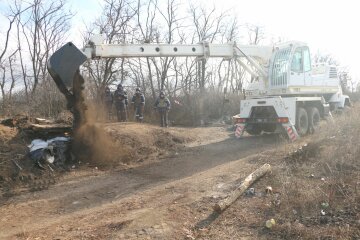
(328, 26)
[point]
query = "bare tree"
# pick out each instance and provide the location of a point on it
(256, 33)
(325, 58)
(147, 30)
(7, 83)
(345, 80)
(115, 26)
(208, 26)
(44, 30)
(171, 20)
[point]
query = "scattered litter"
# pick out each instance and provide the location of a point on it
(54, 151)
(312, 175)
(268, 190)
(250, 192)
(189, 233)
(220, 185)
(322, 212)
(322, 179)
(270, 223)
(96, 168)
(324, 205)
(277, 202)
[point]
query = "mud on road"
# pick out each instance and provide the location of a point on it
(101, 204)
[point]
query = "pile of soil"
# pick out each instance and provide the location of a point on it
(144, 143)
(12, 147)
(12, 151)
(108, 146)
(19, 121)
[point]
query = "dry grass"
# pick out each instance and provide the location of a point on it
(318, 173)
(320, 184)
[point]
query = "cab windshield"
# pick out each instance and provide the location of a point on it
(280, 67)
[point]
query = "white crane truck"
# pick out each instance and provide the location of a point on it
(292, 96)
(286, 93)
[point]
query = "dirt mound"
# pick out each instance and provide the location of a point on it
(18, 172)
(93, 145)
(11, 148)
(145, 143)
(19, 120)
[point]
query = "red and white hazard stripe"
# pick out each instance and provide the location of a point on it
(239, 131)
(291, 133)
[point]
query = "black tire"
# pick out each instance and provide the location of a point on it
(302, 121)
(253, 129)
(270, 128)
(347, 103)
(314, 119)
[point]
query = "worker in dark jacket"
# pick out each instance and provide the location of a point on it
(121, 103)
(162, 105)
(108, 98)
(139, 102)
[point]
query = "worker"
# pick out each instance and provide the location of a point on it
(121, 103)
(162, 105)
(138, 100)
(108, 98)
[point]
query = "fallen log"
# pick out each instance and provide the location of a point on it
(249, 180)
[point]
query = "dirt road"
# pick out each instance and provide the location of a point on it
(78, 202)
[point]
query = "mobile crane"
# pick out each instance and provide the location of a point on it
(286, 93)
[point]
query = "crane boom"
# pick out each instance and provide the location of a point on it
(97, 49)
(64, 62)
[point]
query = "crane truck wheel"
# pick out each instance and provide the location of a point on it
(270, 128)
(302, 121)
(314, 119)
(253, 129)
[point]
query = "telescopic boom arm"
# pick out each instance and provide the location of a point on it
(66, 61)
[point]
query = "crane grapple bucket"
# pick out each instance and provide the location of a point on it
(64, 63)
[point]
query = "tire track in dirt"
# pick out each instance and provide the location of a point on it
(101, 189)
(70, 197)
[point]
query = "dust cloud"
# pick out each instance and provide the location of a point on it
(91, 143)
